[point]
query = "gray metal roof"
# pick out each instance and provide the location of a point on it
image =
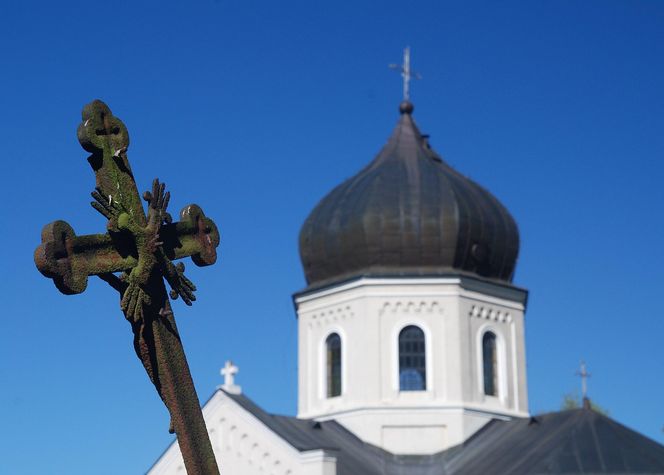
(408, 213)
(567, 442)
(575, 441)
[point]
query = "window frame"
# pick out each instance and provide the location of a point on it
(320, 380)
(328, 370)
(501, 383)
(428, 369)
(494, 384)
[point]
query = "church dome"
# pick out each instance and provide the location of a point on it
(408, 213)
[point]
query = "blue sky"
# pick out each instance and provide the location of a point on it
(255, 110)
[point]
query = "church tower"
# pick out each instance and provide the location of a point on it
(411, 334)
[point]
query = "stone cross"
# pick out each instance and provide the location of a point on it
(406, 73)
(134, 256)
(228, 372)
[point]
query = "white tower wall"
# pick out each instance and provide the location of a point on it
(454, 313)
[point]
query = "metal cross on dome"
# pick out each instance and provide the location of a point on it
(141, 248)
(584, 375)
(406, 73)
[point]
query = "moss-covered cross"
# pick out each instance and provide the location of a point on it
(134, 256)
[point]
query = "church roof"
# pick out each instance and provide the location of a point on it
(567, 442)
(574, 441)
(408, 213)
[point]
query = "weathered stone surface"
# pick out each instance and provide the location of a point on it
(142, 248)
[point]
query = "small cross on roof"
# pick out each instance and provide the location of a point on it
(228, 372)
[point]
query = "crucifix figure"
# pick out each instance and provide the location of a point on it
(134, 256)
(406, 73)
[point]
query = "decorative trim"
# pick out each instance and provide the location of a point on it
(411, 307)
(502, 413)
(330, 316)
(499, 289)
(488, 313)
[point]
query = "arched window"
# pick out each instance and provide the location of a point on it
(333, 365)
(412, 360)
(490, 364)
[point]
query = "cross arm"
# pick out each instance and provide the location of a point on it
(69, 259)
(195, 236)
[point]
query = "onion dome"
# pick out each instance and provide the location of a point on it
(408, 213)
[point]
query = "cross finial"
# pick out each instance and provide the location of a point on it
(584, 375)
(406, 73)
(228, 372)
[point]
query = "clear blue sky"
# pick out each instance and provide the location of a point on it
(255, 110)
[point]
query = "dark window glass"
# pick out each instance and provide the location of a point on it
(412, 360)
(333, 363)
(490, 364)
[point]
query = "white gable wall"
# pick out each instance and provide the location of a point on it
(244, 445)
